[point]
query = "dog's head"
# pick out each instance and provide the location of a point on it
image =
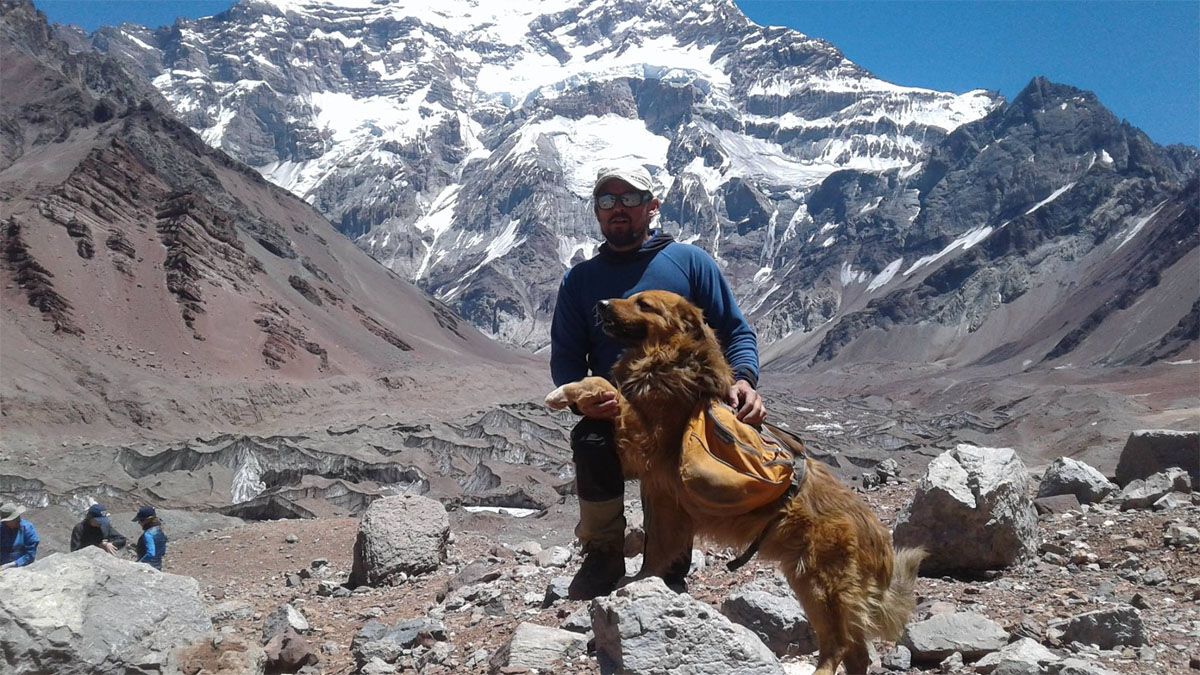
(651, 317)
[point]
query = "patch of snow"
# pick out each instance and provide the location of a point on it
(503, 510)
(1137, 227)
(964, 242)
(886, 275)
(1053, 195)
(1105, 158)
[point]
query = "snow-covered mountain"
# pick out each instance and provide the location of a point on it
(857, 219)
(457, 140)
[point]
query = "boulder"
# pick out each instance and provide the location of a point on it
(88, 612)
(1143, 493)
(971, 512)
(1150, 451)
(1068, 476)
(397, 537)
(1106, 628)
(535, 647)
(647, 628)
(775, 617)
(940, 636)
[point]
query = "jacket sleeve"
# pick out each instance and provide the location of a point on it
(77, 537)
(115, 538)
(31, 545)
(569, 341)
(721, 311)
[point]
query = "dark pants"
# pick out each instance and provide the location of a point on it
(598, 478)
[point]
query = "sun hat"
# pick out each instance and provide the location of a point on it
(144, 513)
(634, 174)
(10, 511)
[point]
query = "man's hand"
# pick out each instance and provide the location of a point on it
(748, 404)
(8, 566)
(112, 550)
(601, 407)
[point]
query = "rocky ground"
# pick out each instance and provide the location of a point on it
(1093, 557)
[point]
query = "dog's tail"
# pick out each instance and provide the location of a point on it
(899, 600)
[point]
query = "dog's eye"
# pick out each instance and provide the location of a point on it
(644, 306)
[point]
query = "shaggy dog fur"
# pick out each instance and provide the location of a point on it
(835, 553)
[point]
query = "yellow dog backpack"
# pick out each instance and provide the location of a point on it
(729, 468)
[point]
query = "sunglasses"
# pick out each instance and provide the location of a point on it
(629, 199)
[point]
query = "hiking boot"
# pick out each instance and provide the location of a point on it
(602, 568)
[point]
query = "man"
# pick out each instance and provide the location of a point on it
(18, 538)
(96, 530)
(633, 258)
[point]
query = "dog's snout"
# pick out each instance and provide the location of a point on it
(603, 310)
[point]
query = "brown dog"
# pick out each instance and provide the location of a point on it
(835, 553)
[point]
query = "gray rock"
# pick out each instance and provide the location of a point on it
(1172, 501)
(776, 618)
(899, 658)
(1068, 476)
(647, 628)
(1023, 656)
(91, 613)
(1143, 493)
(555, 556)
(556, 590)
(1105, 628)
(376, 640)
(937, 637)
(1076, 666)
(1150, 451)
(1175, 534)
(984, 492)
(538, 647)
(284, 618)
(579, 621)
(399, 535)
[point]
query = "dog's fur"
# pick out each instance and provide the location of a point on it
(835, 553)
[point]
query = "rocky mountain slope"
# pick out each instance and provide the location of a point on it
(156, 287)
(458, 144)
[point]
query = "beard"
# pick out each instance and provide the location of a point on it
(625, 236)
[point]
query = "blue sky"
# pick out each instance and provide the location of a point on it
(1141, 57)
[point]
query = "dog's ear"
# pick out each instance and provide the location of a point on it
(693, 320)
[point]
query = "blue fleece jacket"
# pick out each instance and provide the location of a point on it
(578, 345)
(152, 546)
(19, 545)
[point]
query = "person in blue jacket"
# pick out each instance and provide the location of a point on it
(152, 545)
(633, 258)
(18, 538)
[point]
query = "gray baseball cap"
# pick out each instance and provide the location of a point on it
(634, 174)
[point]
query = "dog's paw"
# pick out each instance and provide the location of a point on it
(557, 399)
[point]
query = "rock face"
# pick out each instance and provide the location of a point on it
(971, 512)
(89, 612)
(647, 628)
(1067, 476)
(399, 536)
(1150, 451)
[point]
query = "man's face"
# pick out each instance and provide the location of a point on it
(13, 524)
(624, 227)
